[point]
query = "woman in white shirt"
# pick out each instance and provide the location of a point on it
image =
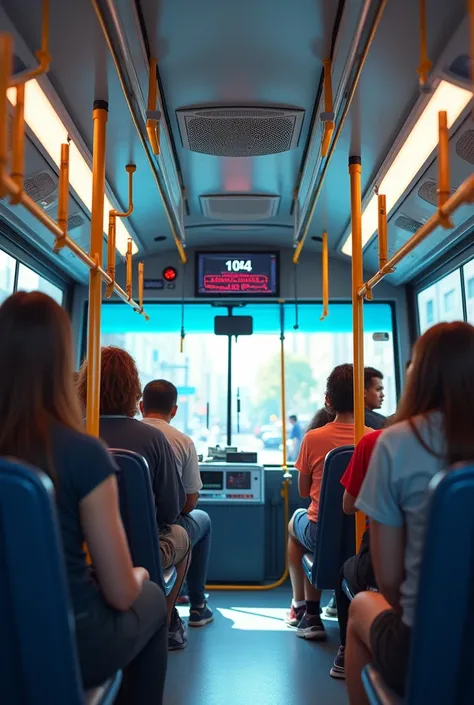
(434, 428)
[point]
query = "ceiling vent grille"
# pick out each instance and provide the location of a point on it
(40, 186)
(240, 208)
(240, 132)
(75, 221)
(465, 146)
(428, 191)
(404, 222)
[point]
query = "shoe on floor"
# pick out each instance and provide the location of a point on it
(199, 616)
(294, 615)
(330, 610)
(177, 638)
(311, 627)
(338, 670)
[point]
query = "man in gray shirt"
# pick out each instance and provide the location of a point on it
(159, 407)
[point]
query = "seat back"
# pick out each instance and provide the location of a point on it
(441, 667)
(38, 661)
(138, 511)
(335, 540)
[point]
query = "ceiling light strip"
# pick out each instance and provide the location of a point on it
(413, 154)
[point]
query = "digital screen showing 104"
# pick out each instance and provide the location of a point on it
(234, 274)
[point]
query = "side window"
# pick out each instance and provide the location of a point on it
(28, 280)
(449, 301)
(7, 275)
(441, 302)
(468, 273)
(429, 311)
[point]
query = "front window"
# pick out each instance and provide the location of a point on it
(254, 403)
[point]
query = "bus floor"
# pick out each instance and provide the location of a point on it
(248, 655)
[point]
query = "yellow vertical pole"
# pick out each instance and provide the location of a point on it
(444, 190)
(99, 116)
(18, 156)
(470, 10)
(325, 266)
(128, 259)
(383, 240)
(63, 200)
(355, 172)
(425, 64)
(141, 282)
(6, 52)
(283, 387)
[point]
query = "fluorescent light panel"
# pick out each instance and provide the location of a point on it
(42, 118)
(413, 154)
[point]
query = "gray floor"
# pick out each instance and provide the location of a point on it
(247, 656)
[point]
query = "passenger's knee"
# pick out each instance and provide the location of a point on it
(155, 602)
(203, 519)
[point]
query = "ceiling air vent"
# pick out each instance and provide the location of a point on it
(409, 224)
(465, 146)
(240, 132)
(75, 221)
(40, 187)
(428, 191)
(240, 208)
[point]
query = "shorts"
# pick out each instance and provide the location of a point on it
(304, 530)
(390, 642)
(174, 545)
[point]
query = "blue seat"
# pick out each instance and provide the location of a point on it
(38, 660)
(442, 655)
(137, 507)
(335, 540)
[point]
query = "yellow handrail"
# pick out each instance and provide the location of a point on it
(43, 55)
(18, 155)
(355, 172)
(325, 277)
(111, 236)
(444, 188)
(328, 115)
(464, 194)
(152, 123)
(425, 64)
(337, 134)
(128, 260)
(63, 201)
(6, 58)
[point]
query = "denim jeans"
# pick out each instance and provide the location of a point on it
(198, 526)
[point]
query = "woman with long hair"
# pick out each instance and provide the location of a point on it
(120, 617)
(434, 428)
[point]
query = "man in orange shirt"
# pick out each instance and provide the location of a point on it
(305, 610)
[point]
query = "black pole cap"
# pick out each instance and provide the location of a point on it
(101, 105)
(355, 160)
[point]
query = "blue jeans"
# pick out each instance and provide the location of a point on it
(198, 526)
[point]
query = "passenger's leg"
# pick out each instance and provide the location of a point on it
(198, 526)
(295, 555)
(134, 641)
(365, 607)
(175, 549)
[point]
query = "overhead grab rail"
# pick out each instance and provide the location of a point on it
(337, 134)
(153, 116)
(43, 55)
(447, 205)
(327, 118)
(174, 226)
(12, 185)
(325, 277)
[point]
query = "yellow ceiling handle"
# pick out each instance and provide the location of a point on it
(328, 116)
(43, 55)
(325, 270)
(425, 64)
(111, 237)
(152, 114)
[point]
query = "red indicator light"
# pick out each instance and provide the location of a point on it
(169, 274)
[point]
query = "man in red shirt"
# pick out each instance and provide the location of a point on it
(357, 570)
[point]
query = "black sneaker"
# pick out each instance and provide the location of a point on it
(311, 628)
(200, 616)
(177, 638)
(338, 670)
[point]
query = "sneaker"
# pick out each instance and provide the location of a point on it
(311, 628)
(338, 670)
(330, 610)
(199, 616)
(294, 616)
(177, 638)
(182, 600)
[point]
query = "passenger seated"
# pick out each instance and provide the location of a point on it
(434, 429)
(357, 571)
(120, 617)
(373, 398)
(304, 613)
(158, 408)
(120, 393)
